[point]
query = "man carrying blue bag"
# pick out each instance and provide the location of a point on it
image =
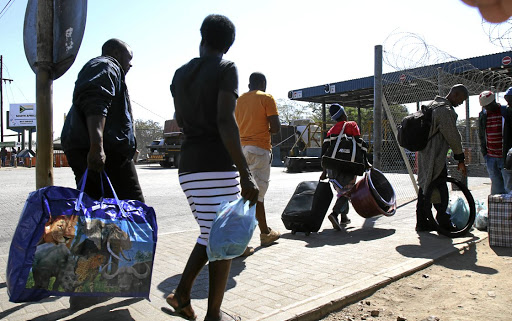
(99, 135)
(98, 132)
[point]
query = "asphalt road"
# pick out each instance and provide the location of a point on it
(161, 190)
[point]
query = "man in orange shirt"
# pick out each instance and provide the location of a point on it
(257, 118)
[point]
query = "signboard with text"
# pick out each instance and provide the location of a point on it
(22, 115)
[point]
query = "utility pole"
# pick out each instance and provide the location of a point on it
(2, 80)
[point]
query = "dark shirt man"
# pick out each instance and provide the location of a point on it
(98, 132)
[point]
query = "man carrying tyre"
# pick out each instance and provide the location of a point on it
(432, 160)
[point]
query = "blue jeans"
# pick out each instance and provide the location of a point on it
(507, 179)
(495, 170)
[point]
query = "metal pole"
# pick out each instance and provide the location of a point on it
(439, 82)
(467, 122)
(324, 119)
(359, 115)
(1, 99)
(44, 87)
(377, 108)
(2, 80)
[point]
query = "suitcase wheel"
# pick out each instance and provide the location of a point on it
(307, 233)
(293, 232)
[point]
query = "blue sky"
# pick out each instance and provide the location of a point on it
(296, 44)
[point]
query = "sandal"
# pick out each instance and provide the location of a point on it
(181, 306)
(225, 317)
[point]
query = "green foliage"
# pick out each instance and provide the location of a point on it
(146, 132)
(291, 110)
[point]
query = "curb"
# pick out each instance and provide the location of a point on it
(321, 305)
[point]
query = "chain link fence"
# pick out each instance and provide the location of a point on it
(422, 72)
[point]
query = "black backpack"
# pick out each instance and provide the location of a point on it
(414, 131)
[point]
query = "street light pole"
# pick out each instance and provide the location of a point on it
(2, 80)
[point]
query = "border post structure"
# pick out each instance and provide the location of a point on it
(324, 120)
(377, 108)
(467, 122)
(44, 88)
(1, 101)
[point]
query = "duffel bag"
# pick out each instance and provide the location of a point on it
(345, 153)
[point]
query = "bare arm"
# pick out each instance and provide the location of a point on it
(96, 156)
(230, 135)
(275, 124)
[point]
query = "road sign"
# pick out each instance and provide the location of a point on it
(402, 77)
(22, 116)
(506, 60)
(68, 30)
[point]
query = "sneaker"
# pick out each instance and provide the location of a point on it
(248, 251)
(267, 239)
(344, 220)
(334, 222)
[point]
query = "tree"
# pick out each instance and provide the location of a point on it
(291, 110)
(146, 132)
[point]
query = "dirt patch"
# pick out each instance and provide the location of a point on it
(475, 284)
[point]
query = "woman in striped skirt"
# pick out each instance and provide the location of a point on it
(212, 163)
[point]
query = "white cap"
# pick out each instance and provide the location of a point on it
(486, 97)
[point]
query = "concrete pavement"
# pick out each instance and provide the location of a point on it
(298, 278)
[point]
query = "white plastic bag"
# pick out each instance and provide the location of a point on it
(481, 219)
(459, 212)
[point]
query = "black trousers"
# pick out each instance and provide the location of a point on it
(423, 207)
(120, 170)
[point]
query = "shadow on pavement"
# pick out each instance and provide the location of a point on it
(200, 288)
(466, 260)
(99, 313)
(347, 236)
(431, 243)
(7, 312)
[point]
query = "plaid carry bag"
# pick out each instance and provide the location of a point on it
(500, 220)
(68, 244)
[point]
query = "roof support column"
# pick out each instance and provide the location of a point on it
(324, 126)
(359, 115)
(467, 122)
(377, 108)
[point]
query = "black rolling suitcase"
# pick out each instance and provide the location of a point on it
(306, 209)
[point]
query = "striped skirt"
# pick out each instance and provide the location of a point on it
(205, 192)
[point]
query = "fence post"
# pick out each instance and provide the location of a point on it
(377, 108)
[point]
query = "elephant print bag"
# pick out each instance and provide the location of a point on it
(68, 244)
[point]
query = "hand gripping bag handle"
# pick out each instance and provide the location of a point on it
(82, 188)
